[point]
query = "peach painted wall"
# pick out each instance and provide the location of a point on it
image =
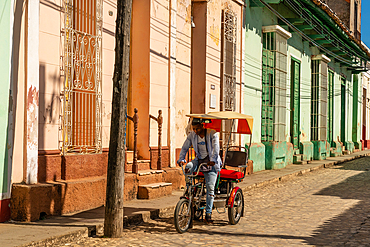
(159, 67)
(213, 50)
(183, 70)
(150, 67)
(140, 76)
(19, 84)
(51, 77)
(150, 71)
(109, 29)
(160, 70)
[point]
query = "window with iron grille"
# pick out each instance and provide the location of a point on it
(274, 76)
(82, 119)
(228, 69)
(319, 99)
(228, 60)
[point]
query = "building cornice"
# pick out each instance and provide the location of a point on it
(277, 29)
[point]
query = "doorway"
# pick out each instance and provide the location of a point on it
(343, 110)
(295, 102)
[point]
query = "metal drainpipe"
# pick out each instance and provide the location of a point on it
(32, 98)
(172, 81)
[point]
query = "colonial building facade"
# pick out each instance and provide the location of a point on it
(186, 57)
(295, 66)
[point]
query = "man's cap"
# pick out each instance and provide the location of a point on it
(197, 121)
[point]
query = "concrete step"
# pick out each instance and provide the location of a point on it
(332, 154)
(142, 165)
(155, 190)
(302, 162)
(297, 158)
(356, 150)
(149, 172)
(150, 177)
(346, 152)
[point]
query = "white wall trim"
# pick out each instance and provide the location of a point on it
(172, 82)
(277, 29)
(322, 57)
(32, 102)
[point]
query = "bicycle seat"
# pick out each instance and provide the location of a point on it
(231, 174)
(226, 174)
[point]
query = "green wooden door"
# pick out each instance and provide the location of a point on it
(355, 109)
(268, 62)
(330, 107)
(343, 110)
(295, 103)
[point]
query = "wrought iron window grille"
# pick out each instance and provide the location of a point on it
(319, 100)
(82, 95)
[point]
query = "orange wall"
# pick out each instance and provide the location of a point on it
(140, 75)
(199, 58)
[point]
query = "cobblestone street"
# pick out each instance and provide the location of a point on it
(327, 207)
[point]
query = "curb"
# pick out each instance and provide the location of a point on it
(145, 216)
(77, 234)
(299, 173)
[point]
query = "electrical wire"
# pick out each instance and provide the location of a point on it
(303, 35)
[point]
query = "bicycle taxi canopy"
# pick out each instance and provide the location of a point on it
(245, 122)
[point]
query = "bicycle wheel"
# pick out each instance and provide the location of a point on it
(236, 211)
(182, 216)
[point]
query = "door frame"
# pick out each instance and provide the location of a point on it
(292, 100)
(343, 109)
(330, 120)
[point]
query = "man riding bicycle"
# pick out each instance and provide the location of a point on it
(206, 146)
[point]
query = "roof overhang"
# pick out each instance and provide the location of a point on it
(323, 30)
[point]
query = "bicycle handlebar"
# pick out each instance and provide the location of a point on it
(202, 164)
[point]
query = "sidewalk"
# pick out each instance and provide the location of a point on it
(68, 227)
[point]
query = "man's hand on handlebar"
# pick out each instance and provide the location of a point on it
(181, 163)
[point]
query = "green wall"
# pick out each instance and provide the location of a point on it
(253, 69)
(255, 18)
(5, 62)
(338, 73)
(300, 50)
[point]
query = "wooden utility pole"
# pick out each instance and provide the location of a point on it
(113, 223)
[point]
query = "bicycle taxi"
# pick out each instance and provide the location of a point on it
(234, 167)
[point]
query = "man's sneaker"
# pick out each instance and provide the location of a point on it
(208, 219)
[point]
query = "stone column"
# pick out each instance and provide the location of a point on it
(32, 97)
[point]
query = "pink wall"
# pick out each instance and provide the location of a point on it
(51, 83)
(150, 70)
